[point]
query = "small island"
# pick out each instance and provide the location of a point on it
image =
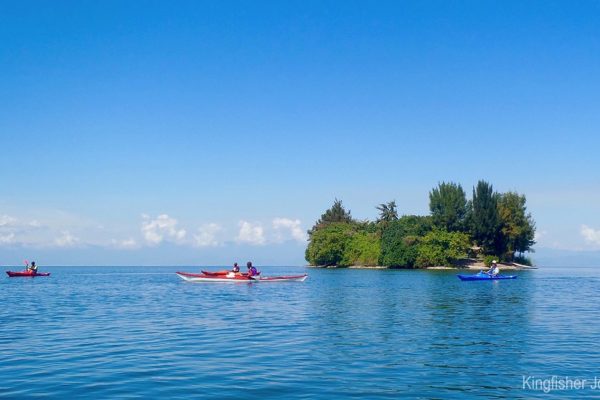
(458, 233)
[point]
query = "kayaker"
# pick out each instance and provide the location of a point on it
(494, 270)
(33, 266)
(236, 268)
(251, 270)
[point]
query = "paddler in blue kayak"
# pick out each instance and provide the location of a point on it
(494, 270)
(251, 270)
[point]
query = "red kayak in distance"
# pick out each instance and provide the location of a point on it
(12, 274)
(191, 277)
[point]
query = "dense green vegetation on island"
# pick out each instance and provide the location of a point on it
(491, 224)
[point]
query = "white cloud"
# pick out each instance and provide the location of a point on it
(66, 240)
(7, 220)
(539, 235)
(9, 228)
(50, 231)
(251, 233)
(207, 235)
(162, 228)
(285, 228)
(591, 235)
(127, 244)
(7, 239)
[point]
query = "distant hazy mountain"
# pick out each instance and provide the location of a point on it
(566, 258)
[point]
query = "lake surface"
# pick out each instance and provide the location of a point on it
(108, 332)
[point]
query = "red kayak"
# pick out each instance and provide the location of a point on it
(190, 277)
(32, 274)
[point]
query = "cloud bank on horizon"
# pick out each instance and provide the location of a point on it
(153, 231)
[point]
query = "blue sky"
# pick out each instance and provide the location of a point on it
(212, 132)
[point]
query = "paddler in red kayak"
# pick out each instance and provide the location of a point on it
(251, 270)
(234, 271)
(30, 268)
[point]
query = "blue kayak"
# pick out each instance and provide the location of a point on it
(482, 276)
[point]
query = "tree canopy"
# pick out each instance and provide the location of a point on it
(485, 221)
(448, 206)
(327, 244)
(362, 248)
(337, 213)
(440, 247)
(399, 239)
(518, 227)
(387, 211)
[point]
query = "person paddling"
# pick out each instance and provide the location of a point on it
(494, 270)
(34, 267)
(251, 270)
(234, 271)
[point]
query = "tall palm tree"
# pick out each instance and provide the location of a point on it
(387, 211)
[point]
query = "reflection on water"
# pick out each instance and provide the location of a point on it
(110, 332)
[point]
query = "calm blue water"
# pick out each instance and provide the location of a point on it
(106, 332)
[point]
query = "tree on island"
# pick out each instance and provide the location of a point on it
(400, 238)
(387, 212)
(440, 247)
(485, 221)
(344, 244)
(337, 213)
(518, 227)
(327, 244)
(448, 206)
(363, 248)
